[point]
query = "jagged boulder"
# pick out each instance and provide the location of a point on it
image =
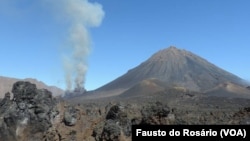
(5, 102)
(28, 114)
(155, 114)
(70, 116)
(119, 115)
(23, 91)
(114, 112)
(117, 123)
(111, 131)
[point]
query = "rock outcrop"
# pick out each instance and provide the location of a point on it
(119, 119)
(115, 124)
(155, 114)
(70, 116)
(28, 114)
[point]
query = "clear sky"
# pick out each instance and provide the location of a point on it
(32, 37)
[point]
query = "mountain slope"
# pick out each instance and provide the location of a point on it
(230, 90)
(145, 87)
(175, 67)
(6, 84)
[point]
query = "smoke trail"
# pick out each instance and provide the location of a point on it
(81, 15)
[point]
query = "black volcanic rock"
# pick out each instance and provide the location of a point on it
(155, 114)
(174, 67)
(70, 116)
(6, 102)
(111, 132)
(117, 123)
(28, 114)
(23, 91)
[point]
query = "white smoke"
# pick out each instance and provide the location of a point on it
(81, 15)
(78, 16)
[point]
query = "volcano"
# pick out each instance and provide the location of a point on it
(173, 67)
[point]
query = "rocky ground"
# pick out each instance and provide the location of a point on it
(34, 115)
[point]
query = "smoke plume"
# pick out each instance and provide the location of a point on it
(81, 15)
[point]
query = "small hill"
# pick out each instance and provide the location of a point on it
(229, 89)
(6, 84)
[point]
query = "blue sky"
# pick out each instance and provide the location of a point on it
(32, 37)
